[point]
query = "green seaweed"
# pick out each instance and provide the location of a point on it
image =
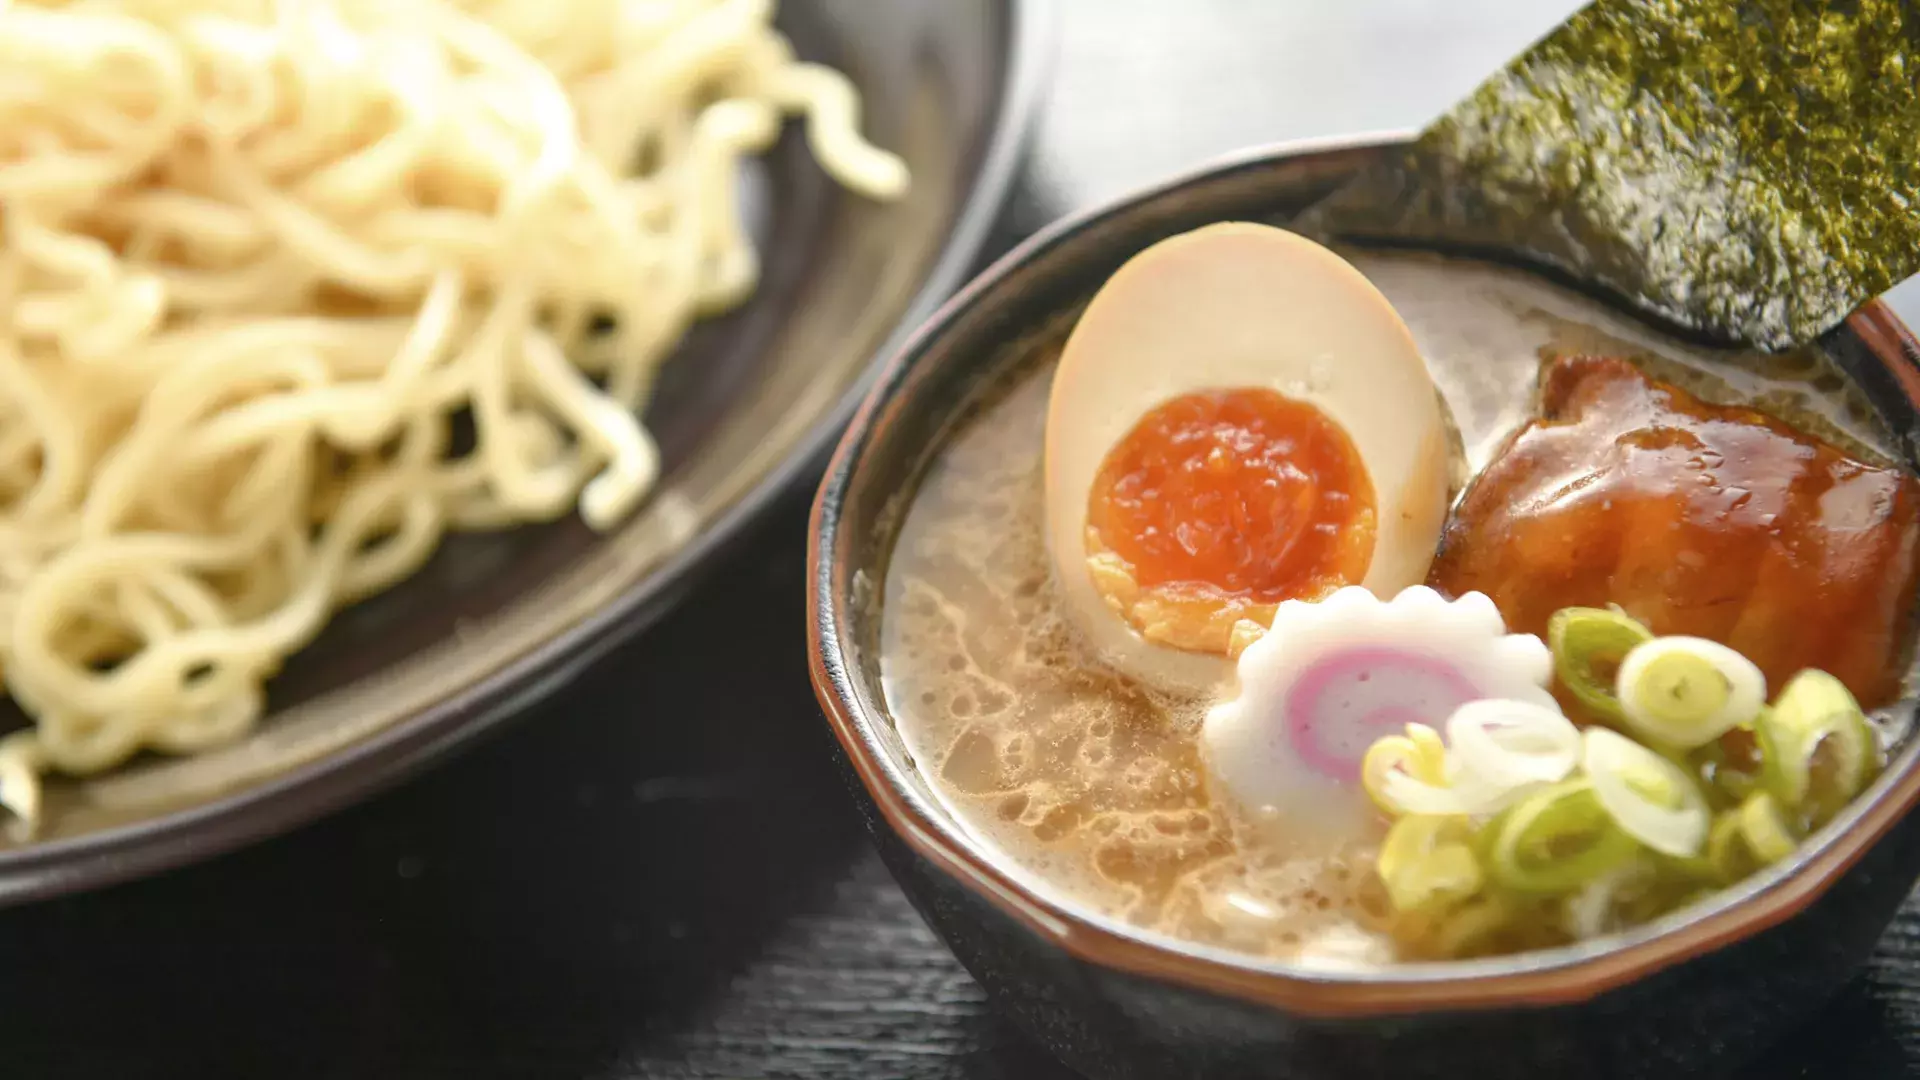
(1742, 169)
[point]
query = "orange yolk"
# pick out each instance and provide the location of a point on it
(1233, 500)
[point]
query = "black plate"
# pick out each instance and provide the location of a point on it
(744, 411)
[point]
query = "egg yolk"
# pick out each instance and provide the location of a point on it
(1219, 505)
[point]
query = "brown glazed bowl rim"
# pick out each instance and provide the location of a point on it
(1562, 975)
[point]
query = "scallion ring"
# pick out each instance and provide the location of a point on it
(1728, 857)
(1653, 800)
(1456, 794)
(1555, 840)
(1506, 744)
(1474, 928)
(1427, 864)
(1419, 754)
(1769, 836)
(1726, 779)
(1815, 718)
(1686, 691)
(1588, 645)
(1595, 907)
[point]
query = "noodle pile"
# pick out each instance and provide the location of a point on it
(258, 258)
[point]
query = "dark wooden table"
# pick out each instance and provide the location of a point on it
(658, 874)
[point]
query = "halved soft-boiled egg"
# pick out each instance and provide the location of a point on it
(1239, 419)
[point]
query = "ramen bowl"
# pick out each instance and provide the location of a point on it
(1703, 987)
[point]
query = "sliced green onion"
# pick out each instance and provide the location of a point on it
(1456, 794)
(1474, 928)
(1768, 834)
(1728, 779)
(1501, 751)
(1588, 645)
(1652, 799)
(1427, 864)
(1400, 793)
(1419, 754)
(1746, 838)
(1432, 750)
(1596, 906)
(1693, 867)
(1506, 744)
(1754, 834)
(1728, 856)
(1555, 840)
(1688, 691)
(1816, 718)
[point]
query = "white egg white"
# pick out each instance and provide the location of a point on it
(1228, 306)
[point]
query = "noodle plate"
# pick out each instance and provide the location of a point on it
(257, 258)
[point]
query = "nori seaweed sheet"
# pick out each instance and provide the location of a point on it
(1742, 169)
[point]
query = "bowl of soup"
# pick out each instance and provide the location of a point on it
(1263, 656)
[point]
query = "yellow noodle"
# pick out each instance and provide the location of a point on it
(256, 256)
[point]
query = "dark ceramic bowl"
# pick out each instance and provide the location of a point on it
(747, 407)
(1702, 988)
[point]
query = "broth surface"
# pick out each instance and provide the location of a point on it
(1094, 783)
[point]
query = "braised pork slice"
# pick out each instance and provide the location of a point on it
(1695, 518)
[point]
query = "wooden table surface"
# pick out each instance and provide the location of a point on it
(658, 874)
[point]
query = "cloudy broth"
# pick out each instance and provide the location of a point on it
(1094, 783)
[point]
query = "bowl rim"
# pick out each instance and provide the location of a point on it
(334, 780)
(1563, 975)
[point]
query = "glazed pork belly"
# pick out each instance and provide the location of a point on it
(1695, 518)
